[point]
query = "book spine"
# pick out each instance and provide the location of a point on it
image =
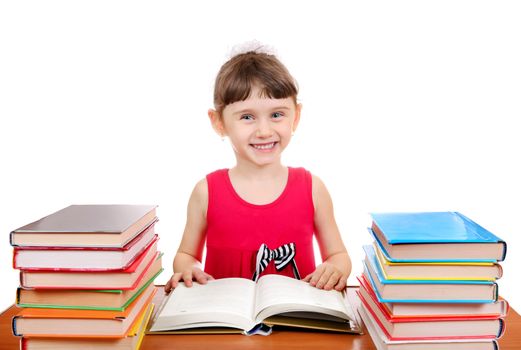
(13, 326)
(506, 307)
(11, 239)
(22, 279)
(502, 327)
(503, 256)
(18, 294)
(499, 271)
(14, 258)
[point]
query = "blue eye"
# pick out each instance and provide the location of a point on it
(277, 115)
(247, 117)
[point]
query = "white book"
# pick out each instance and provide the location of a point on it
(241, 304)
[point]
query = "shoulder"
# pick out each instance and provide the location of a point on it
(199, 198)
(317, 185)
(201, 188)
(319, 191)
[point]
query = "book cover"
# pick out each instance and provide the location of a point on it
(86, 225)
(448, 235)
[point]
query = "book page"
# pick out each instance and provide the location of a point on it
(277, 294)
(227, 301)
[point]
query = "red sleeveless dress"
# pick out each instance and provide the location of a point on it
(236, 229)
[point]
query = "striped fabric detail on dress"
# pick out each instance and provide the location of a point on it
(282, 256)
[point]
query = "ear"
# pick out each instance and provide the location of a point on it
(296, 120)
(217, 123)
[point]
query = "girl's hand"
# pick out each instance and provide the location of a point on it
(194, 274)
(327, 276)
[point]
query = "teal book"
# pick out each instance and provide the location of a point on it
(435, 236)
(425, 291)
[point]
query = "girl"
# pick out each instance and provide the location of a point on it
(259, 216)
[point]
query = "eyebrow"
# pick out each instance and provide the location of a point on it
(249, 110)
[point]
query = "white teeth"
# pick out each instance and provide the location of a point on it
(266, 146)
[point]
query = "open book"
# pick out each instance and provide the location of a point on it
(239, 304)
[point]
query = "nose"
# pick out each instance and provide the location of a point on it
(264, 129)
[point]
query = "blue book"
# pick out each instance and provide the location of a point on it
(435, 236)
(425, 291)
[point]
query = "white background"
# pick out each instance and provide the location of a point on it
(408, 106)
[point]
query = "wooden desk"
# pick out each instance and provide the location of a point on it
(277, 340)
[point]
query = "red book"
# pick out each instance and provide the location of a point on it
(119, 279)
(83, 258)
(382, 342)
(88, 299)
(442, 327)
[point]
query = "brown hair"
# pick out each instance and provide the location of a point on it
(238, 75)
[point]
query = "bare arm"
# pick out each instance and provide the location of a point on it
(336, 266)
(187, 261)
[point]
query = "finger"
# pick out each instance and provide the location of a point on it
(324, 278)
(210, 277)
(200, 276)
(332, 281)
(175, 279)
(317, 275)
(342, 283)
(168, 286)
(308, 277)
(172, 282)
(187, 278)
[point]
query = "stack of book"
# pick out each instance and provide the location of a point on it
(429, 282)
(86, 277)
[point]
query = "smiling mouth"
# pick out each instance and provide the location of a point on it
(264, 146)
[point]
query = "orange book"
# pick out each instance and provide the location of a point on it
(35, 322)
(131, 341)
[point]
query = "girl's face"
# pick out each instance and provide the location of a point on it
(259, 128)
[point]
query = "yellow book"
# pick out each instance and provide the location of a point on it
(467, 271)
(132, 341)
